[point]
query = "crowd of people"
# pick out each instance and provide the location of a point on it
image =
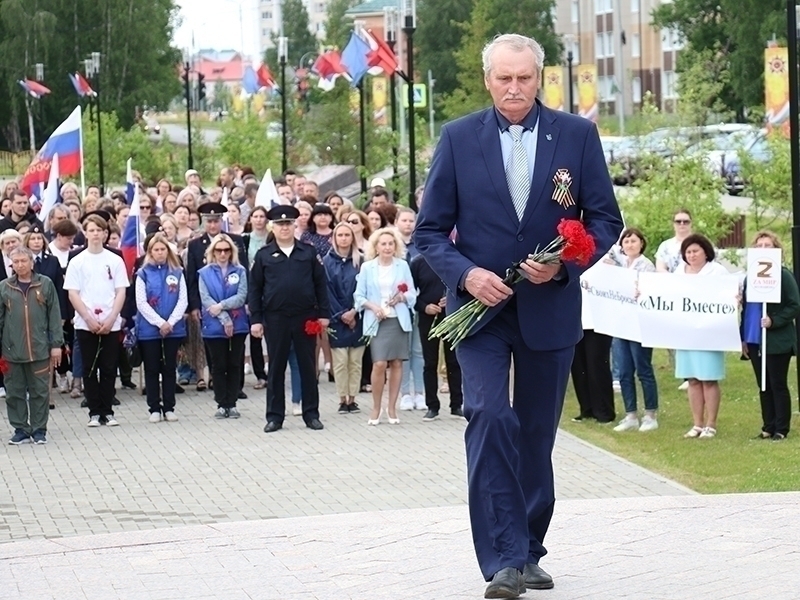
(313, 284)
(222, 287)
(603, 365)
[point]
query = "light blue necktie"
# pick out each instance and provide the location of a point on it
(519, 183)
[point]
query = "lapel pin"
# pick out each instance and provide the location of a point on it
(549, 137)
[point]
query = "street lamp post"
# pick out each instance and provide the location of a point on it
(92, 66)
(410, 12)
(187, 91)
(390, 35)
(570, 57)
(794, 141)
(39, 76)
(283, 50)
(362, 117)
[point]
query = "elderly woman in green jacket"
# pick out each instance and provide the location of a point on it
(776, 403)
(31, 335)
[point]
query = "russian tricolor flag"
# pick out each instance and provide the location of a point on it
(34, 88)
(66, 141)
(82, 87)
(129, 244)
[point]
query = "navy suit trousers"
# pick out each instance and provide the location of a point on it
(509, 449)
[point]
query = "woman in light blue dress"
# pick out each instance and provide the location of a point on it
(703, 369)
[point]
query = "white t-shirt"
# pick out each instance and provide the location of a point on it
(96, 277)
(61, 255)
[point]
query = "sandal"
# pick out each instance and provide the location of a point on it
(76, 391)
(694, 432)
(260, 384)
(708, 432)
(201, 385)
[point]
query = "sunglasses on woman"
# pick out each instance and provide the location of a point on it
(222, 250)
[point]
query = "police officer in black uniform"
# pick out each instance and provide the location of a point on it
(288, 288)
(211, 213)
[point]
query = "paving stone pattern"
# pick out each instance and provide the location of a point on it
(200, 470)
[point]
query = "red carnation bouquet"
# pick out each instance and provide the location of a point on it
(573, 244)
(313, 327)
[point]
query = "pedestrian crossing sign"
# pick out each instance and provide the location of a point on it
(420, 95)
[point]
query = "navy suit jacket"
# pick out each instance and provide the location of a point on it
(467, 190)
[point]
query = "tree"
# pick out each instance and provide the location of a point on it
(738, 30)
(137, 67)
(297, 31)
(489, 18)
(438, 37)
(337, 25)
(683, 182)
(704, 76)
(220, 96)
(244, 141)
(769, 184)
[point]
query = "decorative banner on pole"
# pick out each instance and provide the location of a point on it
(587, 92)
(776, 88)
(379, 99)
(764, 275)
(611, 296)
(689, 312)
(553, 87)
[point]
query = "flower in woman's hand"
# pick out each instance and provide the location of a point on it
(402, 288)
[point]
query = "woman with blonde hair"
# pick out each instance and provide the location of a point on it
(301, 224)
(342, 264)
(359, 223)
(223, 294)
(161, 301)
(385, 294)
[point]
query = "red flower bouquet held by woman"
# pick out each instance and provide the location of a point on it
(573, 244)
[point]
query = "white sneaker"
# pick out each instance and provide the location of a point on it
(2, 392)
(406, 402)
(708, 432)
(684, 386)
(627, 424)
(111, 421)
(94, 421)
(649, 424)
(155, 417)
(170, 416)
(297, 409)
(247, 369)
(616, 386)
(419, 402)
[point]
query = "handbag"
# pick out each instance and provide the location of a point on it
(131, 344)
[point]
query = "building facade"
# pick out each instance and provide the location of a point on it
(632, 56)
(269, 16)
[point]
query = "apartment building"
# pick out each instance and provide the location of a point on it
(632, 56)
(270, 19)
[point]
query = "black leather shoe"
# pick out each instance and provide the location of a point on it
(128, 384)
(178, 390)
(84, 403)
(272, 426)
(506, 583)
(537, 578)
(115, 401)
(241, 396)
(315, 424)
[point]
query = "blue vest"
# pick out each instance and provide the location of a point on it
(219, 290)
(162, 286)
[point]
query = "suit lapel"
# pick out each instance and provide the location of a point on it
(546, 143)
(489, 140)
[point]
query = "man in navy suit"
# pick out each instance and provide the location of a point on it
(495, 184)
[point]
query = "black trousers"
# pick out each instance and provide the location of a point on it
(66, 357)
(430, 369)
(227, 355)
(257, 359)
(100, 358)
(125, 368)
(776, 402)
(210, 363)
(281, 333)
(160, 357)
(591, 377)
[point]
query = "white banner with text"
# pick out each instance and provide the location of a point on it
(610, 293)
(689, 312)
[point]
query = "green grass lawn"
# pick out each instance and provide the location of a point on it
(731, 462)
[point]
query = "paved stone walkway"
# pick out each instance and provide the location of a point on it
(654, 548)
(199, 470)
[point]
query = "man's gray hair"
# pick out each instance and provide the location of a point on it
(21, 250)
(515, 42)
